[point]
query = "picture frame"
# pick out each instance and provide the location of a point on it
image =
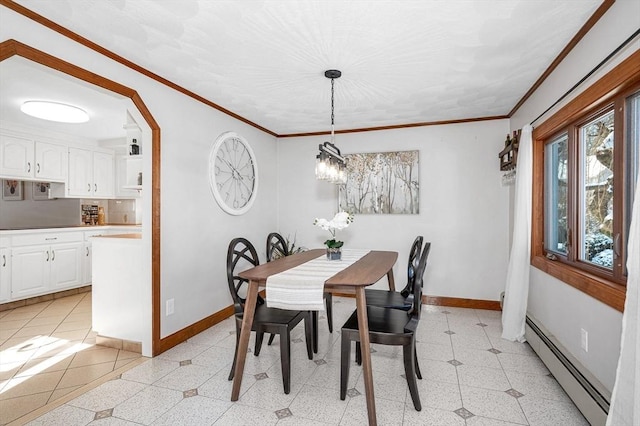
(40, 191)
(381, 183)
(12, 190)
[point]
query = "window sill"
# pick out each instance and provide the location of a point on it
(605, 291)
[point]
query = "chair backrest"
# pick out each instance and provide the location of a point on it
(416, 297)
(241, 256)
(412, 265)
(276, 247)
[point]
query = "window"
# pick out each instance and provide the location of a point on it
(585, 169)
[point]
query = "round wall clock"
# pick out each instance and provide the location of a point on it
(233, 173)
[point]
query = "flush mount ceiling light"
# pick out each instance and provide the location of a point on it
(55, 111)
(330, 164)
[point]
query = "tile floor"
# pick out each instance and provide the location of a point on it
(47, 350)
(470, 377)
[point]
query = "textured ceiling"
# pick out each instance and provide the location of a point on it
(402, 61)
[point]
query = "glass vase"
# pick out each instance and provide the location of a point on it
(334, 254)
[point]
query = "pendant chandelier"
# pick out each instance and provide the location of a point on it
(330, 164)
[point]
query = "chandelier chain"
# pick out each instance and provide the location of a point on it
(332, 82)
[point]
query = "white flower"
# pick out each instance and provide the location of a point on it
(322, 223)
(340, 221)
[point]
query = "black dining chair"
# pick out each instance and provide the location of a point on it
(241, 255)
(277, 247)
(395, 299)
(389, 326)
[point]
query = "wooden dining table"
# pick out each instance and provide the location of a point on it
(353, 279)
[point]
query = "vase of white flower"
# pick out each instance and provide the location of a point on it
(340, 221)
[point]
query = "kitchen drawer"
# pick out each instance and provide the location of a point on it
(46, 238)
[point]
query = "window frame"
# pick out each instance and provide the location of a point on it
(610, 90)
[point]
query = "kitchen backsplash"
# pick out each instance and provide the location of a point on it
(123, 212)
(30, 213)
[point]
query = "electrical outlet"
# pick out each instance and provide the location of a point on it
(584, 340)
(170, 307)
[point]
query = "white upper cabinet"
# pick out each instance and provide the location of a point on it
(80, 172)
(103, 174)
(16, 157)
(90, 174)
(51, 162)
(29, 159)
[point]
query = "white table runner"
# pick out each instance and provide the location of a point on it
(301, 288)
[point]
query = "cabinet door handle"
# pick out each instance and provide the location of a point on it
(95, 187)
(4, 260)
(87, 251)
(47, 256)
(51, 238)
(53, 255)
(38, 168)
(28, 166)
(88, 187)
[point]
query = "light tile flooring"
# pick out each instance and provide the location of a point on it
(47, 350)
(470, 377)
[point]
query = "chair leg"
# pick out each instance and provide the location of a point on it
(415, 357)
(285, 360)
(345, 360)
(259, 338)
(358, 354)
(328, 302)
(314, 321)
(408, 352)
(308, 335)
(235, 354)
(271, 339)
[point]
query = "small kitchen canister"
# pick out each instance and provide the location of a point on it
(100, 215)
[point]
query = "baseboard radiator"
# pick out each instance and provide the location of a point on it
(589, 395)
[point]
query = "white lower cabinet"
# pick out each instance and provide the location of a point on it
(86, 263)
(45, 263)
(44, 269)
(38, 263)
(66, 266)
(5, 275)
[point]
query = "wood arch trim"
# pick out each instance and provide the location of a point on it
(11, 48)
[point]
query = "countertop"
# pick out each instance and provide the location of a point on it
(136, 236)
(76, 228)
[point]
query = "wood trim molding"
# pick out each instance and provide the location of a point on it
(455, 302)
(10, 48)
(602, 9)
(398, 126)
(619, 79)
(195, 328)
(609, 293)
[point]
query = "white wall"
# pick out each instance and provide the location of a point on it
(194, 230)
(463, 206)
(562, 309)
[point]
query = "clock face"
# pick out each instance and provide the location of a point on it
(233, 173)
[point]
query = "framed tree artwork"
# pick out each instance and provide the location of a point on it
(381, 183)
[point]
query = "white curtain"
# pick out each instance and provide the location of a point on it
(514, 309)
(625, 401)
